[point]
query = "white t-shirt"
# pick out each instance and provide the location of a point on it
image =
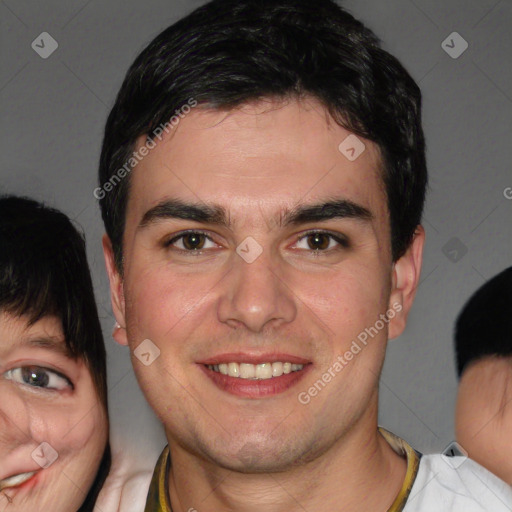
(457, 484)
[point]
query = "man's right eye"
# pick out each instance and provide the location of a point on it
(190, 241)
(39, 377)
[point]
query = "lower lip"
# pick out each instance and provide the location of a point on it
(253, 388)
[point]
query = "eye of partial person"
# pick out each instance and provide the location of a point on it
(39, 377)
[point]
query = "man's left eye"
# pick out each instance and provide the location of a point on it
(39, 377)
(320, 241)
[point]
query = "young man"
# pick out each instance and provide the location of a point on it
(54, 450)
(262, 180)
(483, 343)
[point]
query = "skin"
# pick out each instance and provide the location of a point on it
(239, 453)
(71, 421)
(483, 418)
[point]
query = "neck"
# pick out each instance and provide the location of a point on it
(359, 472)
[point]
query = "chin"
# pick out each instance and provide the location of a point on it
(249, 456)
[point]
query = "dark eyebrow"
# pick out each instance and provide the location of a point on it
(177, 209)
(217, 215)
(49, 344)
(334, 209)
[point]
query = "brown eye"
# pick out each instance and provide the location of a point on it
(193, 241)
(322, 242)
(318, 241)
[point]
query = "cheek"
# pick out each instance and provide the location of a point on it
(79, 437)
(89, 431)
(72, 429)
(159, 298)
(351, 299)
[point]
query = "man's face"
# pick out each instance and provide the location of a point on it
(484, 414)
(270, 283)
(47, 398)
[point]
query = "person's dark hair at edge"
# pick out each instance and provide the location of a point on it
(484, 326)
(230, 52)
(44, 272)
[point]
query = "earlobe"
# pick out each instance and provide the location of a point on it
(119, 334)
(116, 292)
(405, 279)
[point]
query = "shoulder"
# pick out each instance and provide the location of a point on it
(125, 495)
(135, 492)
(126, 487)
(457, 484)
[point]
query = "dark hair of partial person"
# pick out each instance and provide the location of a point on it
(484, 325)
(44, 272)
(231, 52)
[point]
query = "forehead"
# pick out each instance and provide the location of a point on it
(262, 156)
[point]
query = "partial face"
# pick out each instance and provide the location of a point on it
(46, 398)
(255, 254)
(484, 414)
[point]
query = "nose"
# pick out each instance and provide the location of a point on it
(255, 295)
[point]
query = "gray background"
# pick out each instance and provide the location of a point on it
(52, 117)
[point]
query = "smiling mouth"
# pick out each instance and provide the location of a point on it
(15, 480)
(263, 371)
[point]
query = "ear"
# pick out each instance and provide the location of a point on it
(405, 280)
(116, 292)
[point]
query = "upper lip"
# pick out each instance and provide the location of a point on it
(252, 358)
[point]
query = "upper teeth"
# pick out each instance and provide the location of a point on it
(15, 480)
(255, 371)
